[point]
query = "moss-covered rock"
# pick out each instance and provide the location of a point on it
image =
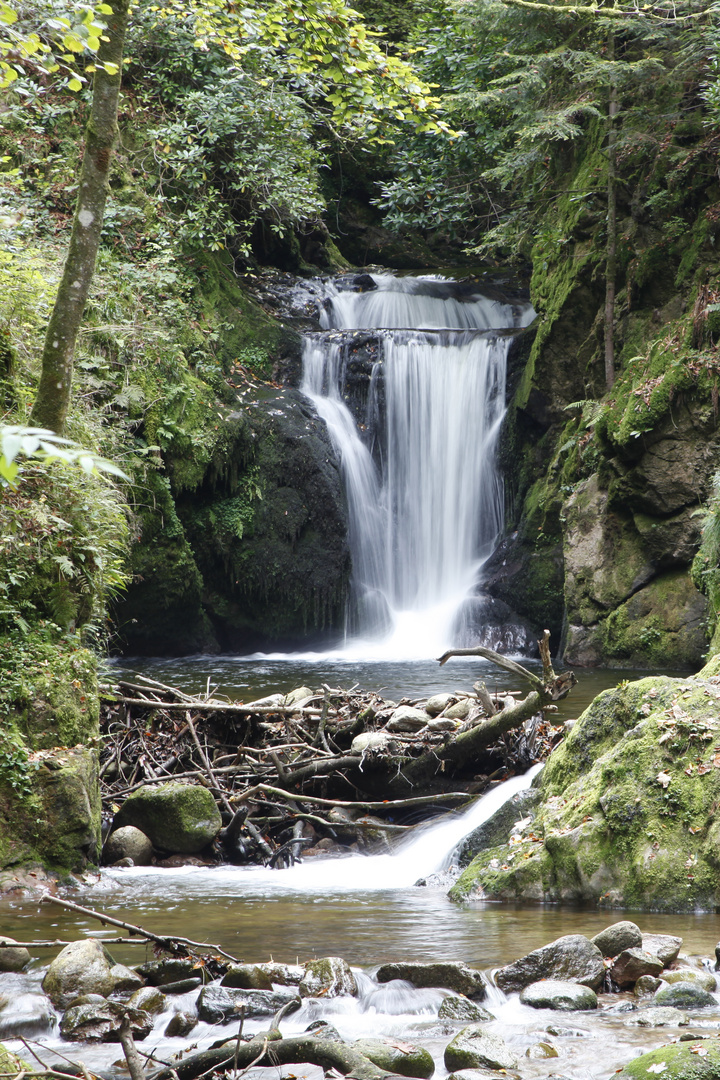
(179, 818)
(403, 1058)
(699, 1060)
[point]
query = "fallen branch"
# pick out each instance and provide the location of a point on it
(215, 706)
(384, 804)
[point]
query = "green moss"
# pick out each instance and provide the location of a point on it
(680, 1061)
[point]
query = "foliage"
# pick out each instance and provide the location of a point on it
(49, 40)
(706, 567)
(42, 445)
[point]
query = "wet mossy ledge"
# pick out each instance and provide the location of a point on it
(623, 813)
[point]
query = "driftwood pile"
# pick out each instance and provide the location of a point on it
(322, 769)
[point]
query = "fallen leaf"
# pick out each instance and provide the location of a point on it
(659, 1067)
(664, 779)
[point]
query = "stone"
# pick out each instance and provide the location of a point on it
(616, 938)
(328, 977)
(300, 694)
(148, 998)
(124, 979)
(572, 958)
(646, 986)
(685, 995)
(26, 1015)
(219, 1004)
(460, 710)
(483, 1074)
(369, 740)
(442, 723)
(435, 704)
(179, 1025)
(163, 972)
(498, 828)
(660, 1016)
(406, 718)
(698, 976)
(540, 1051)
(397, 1057)
(83, 967)
(632, 964)
(665, 946)
(93, 1022)
(127, 843)
(560, 995)
(183, 986)
(13, 957)
(247, 977)
(680, 1061)
(448, 975)
(464, 1010)
(283, 974)
(474, 1047)
(178, 818)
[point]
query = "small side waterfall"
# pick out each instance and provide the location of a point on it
(424, 494)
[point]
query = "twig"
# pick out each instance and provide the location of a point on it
(385, 804)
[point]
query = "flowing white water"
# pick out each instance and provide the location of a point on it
(424, 494)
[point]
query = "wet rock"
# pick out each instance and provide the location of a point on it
(646, 986)
(179, 1025)
(682, 1061)
(149, 999)
(219, 1004)
(83, 967)
(163, 972)
(247, 977)
(462, 1009)
(406, 718)
(474, 1047)
(484, 1074)
(179, 818)
(328, 977)
(632, 964)
(665, 946)
(698, 977)
(684, 995)
(300, 694)
(660, 1016)
(449, 975)
(397, 1057)
(25, 1015)
(13, 957)
(184, 986)
(442, 723)
(572, 958)
(435, 704)
(124, 979)
(540, 1051)
(101, 1023)
(498, 828)
(284, 974)
(556, 994)
(323, 1029)
(460, 710)
(370, 740)
(616, 938)
(127, 843)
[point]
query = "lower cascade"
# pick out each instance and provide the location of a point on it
(410, 380)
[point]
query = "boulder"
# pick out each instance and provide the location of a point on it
(665, 946)
(556, 994)
(698, 976)
(124, 979)
(179, 818)
(298, 695)
(128, 843)
(616, 938)
(219, 1004)
(435, 704)
(685, 995)
(101, 1022)
(164, 972)
(476, 1048)
(463, 1010)
(26, 1015)
(83, 967)
(406, 718)
(397, 1057)
(149, 999)
(498, 828)
(328, 977)
(179, 1025)
(283, 974)
(247, 977)
(632, 964)
(660, 1016)
(698, 1060)
(572, 958)
(13, 957)
(370, 740)
(646, 986)
(541, 1051)
(449, 975)
(460, 710)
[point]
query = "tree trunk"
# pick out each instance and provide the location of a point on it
(611, 249)
(53, 396)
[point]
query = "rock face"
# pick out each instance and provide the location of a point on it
(330, 977)
(475, 1048)
(572, 958)
(176, 817)
(497, 829)
(396, 1057)
(451, 976)
(84, 967)
(626, 809)
(556, 994)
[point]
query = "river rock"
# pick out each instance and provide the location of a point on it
(474, 1047)
(616, 938)
(298, 696)
(406, 718)
(164, 972)
(572, 958)
(127, 843)
(556, 994)
(540, 1051)
(665, 946)
(328, 977)
(632, 964)
(179, 1025)
(26, 1015)
(646, 986)
(660, 1016)
(102, 1022)
(435, 704)
(13, 957)
(323, 1029)
(148, 998)
(219, 1004)
(283, 974)
(698, 976)
(483, 1074)
(684, 995)
(179, 818)
(247, 977)
(460, 710)
(680, 1061)
(370, 740)
(83, 967)
(498, 828)
(124, 979)
(464, 1010)
(442, 723)
(397, 1057)
(449, 975)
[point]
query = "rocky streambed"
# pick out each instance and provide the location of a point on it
(622, 1000)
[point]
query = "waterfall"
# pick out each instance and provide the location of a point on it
(416, 448)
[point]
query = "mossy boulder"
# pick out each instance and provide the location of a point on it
(685, 995)
(463, 1010)
(83, 967)
(476, 1048)
(396, 1057)
(572, 958)
(328, 977)
(627, 815)
(448, 974)
(699, 1060)
(178, 818)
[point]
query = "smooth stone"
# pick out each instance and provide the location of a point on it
(572, 958)
(541, 1050)
(442, 723)
(83, 967)
(660, 1016)
(369, 740)
(127, 843)
(685, 995)
(148, 998)
(328, 977)
(632, 964)
(646, 986)
(179, 1025)
(219, 1004)
(700, 977)
(474, 1047)
(397, 1057)
(247, 977)
(283, 974)
(616, 938)
(665, 946)
(560, 995)
(13, 957)
(406, 718)
(184, 986)
(323, 1029)
(435, 704)
(459, 711)
(448, 975)
(462, 1009)
(102, 1023)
